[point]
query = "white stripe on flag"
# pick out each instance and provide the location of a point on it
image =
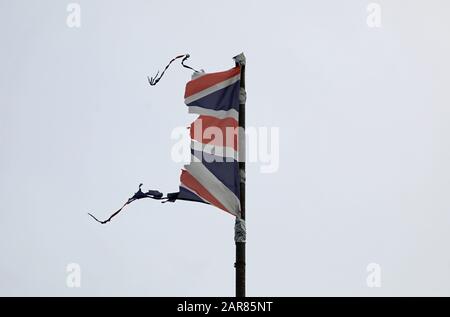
(216, 150)
(219, 114)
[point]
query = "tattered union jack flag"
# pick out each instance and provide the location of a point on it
(212, 176)
(213, 173)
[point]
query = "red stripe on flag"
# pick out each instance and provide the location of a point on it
(190, 181)
(221, 132)
(208, 80)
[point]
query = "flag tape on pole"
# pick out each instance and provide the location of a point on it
(242, 96)
(242, 174)
(239, 230)
(240, 59)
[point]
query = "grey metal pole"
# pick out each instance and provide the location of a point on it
(240, 231)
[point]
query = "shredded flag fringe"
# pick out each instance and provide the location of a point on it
(154, 80)
(154, 194)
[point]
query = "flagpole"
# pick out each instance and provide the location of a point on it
(239, 228)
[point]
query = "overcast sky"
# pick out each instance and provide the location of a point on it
(364, 173)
